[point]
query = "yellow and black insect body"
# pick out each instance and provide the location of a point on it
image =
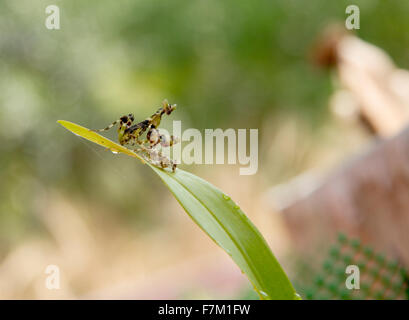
(129, 134)
(150, 123)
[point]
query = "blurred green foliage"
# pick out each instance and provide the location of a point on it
(225, 63)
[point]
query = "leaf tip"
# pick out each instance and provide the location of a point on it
(62, 122)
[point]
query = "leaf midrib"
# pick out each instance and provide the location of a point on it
(247, 259)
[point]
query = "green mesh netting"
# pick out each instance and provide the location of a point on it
(380, 278)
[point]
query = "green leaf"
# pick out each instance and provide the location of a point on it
(97, 138)
(217, 215)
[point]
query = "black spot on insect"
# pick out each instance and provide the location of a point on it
(141, 125)
(123, 118)
(131, 128)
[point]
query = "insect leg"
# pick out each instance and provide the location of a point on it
(109, 127)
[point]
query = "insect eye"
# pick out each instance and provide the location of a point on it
(169, 108)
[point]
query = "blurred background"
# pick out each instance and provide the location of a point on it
(284, 67)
